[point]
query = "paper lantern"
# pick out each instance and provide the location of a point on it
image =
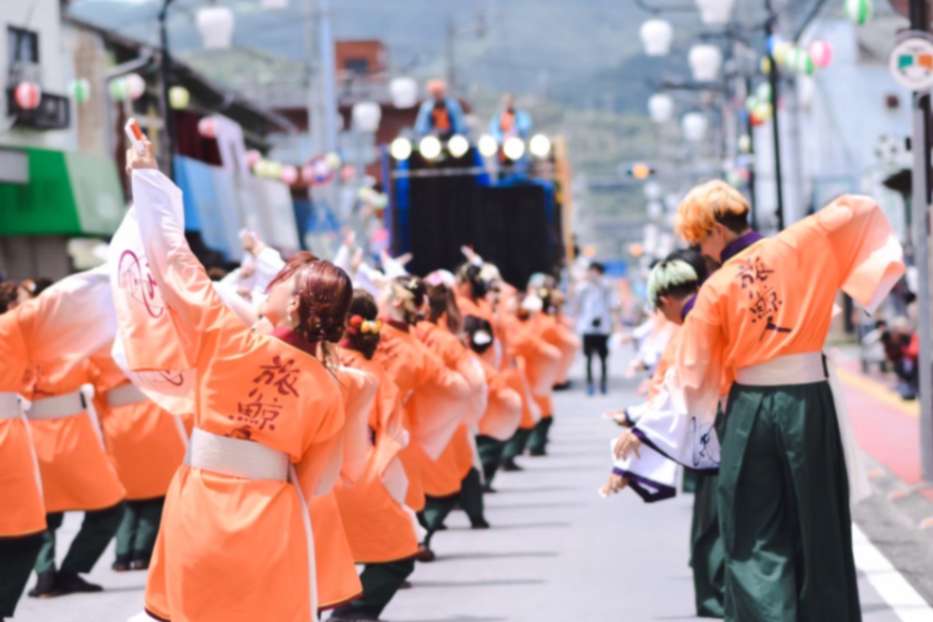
(347, 172)
(430, 147)
(135, 86)
(859, 11)
(27, 95)
(215, 23)
(207, 128)
(694, 126)
(705, 62)
(751, 102)
(822, 53)
(652, 191)
(366, 116)
(488, 145)
(763, 92)
(656, 35)
(763, 112)
(289, 175)
(804, 64)
(745, 143)
(252, 157)
(178, 97)
(781, 51)
(540, 146)
(458, 146)
(307, 174)
(80, 89)
(400, 148)
(274, 170)
(765, 65)
(117, 89)
(332, 161)
(404, 92)
(715, 12)
(660, 107)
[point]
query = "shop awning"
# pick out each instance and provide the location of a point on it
(66, 193)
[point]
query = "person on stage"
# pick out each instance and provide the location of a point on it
(760, 322)
(440, 115)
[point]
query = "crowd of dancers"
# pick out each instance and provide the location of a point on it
(250, 440)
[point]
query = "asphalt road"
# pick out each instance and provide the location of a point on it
(556, 552)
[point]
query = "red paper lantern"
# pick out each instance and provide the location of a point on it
(28, 95)
(289, 175)
(207, 128)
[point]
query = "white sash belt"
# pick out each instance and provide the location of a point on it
(235, 457)
(805, 368)
(125, 395)
(249, 460)
(57, 407)
(10, 406)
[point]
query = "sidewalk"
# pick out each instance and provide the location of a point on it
(887, 430)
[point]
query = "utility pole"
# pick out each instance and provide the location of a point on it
(449, 52)
(920, 206)
(774, 80)
(164, 66)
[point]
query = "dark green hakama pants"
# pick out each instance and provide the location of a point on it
(17, 557)
(538, 439)
(380, 583)
(97, 528)
(470, 499)
(690, 481)
(784, 508)
(515, 446)
(490, 456)
(138, 529)
(707, 557)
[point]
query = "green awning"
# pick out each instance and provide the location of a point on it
(68, 193)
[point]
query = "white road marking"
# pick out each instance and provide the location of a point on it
(893, 588)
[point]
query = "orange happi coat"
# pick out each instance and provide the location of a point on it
(146, 443)
(772, 299)
(539, 363)
(504, 409)
(422, 378)
(40, 341)
(230, 549)
(379, 527)
(443, 476)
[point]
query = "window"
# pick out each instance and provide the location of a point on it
(358, 66)
(22, 46)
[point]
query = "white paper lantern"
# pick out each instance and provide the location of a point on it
(135, 86)
(400, 148)
(694, 125)
(656, 35)
(487, 145)
(660, 107)
(404, 92)
(458, 146)
(430, 147)
(715, 12)
(215, 23)
(653, 191)
(705, 62)
(366, 116)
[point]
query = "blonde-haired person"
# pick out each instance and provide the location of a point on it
(759, 324)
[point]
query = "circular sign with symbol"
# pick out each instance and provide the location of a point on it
(911, 62)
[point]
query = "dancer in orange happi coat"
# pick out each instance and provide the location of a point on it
(41, 341)
(504, 403)
(381, 529)
(147, 445)
(263, 408)
(453, 478)
(421, 376)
